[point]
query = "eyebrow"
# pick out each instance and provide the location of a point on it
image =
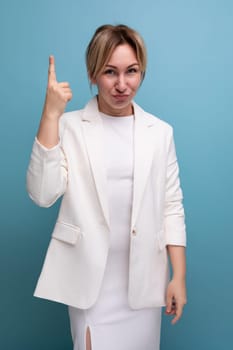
(131, 65)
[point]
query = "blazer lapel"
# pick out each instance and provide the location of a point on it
(93, 134)
(144, 147)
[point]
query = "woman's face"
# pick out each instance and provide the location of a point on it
(119, 82)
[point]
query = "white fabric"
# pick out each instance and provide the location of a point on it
(76, 258)
(113, 324)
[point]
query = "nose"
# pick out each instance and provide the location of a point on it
(121, 83)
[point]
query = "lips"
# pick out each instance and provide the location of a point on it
(121, 97)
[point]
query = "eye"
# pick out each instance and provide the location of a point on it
(109, 71)
(132, 70)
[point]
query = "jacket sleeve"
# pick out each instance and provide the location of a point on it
(47, 174)
(175, 232)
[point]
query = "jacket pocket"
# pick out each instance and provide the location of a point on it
(161, 240)
(66, 232)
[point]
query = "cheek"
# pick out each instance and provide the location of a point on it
(103, 86)
(136, 83)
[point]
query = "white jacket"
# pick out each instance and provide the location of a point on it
(75, 262)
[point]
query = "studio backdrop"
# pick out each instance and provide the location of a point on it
(188, 84)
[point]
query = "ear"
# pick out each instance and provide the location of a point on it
(142, 77)
(92, 80)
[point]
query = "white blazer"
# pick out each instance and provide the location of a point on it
(75, 261)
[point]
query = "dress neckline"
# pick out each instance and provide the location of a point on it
(113, 117)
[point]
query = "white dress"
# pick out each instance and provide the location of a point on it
(113, 324)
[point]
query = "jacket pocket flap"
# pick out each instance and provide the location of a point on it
(161, 239)
(66, 232)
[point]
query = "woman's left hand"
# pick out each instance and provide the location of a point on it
(175, 299)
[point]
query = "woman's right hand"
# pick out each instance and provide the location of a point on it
(57, 95)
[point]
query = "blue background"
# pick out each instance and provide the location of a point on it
(188, 83)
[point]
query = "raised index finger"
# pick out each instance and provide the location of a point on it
(52, 72)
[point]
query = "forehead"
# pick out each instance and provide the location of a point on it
(123, 55)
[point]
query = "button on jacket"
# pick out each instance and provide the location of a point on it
(75, 169)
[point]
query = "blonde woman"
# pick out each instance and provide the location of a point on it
(121, 216)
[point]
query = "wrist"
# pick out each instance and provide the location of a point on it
(50, 117)
(177, 277)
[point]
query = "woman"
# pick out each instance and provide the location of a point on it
(121, 215)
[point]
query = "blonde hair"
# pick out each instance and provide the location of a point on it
(104, 41)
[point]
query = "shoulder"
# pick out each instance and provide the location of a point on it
(72, 116)
(152, 119)
(88, 112)
(70, 122)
